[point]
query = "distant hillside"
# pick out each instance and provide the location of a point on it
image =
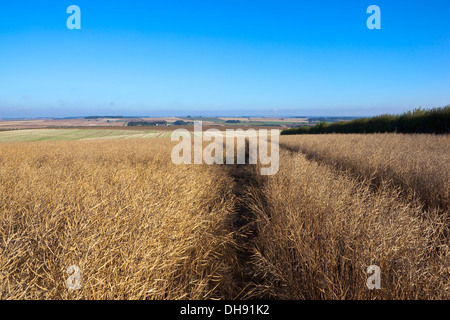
(103, 117)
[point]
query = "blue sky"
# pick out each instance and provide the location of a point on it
(223, 57)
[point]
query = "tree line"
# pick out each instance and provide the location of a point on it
(436, 120)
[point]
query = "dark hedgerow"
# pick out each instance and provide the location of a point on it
(436, 120)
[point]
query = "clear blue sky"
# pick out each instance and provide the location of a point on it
(223, 57)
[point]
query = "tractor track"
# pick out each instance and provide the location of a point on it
(247, 189)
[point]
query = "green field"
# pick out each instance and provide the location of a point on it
(77, 134)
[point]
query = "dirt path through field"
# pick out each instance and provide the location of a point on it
(248, 192)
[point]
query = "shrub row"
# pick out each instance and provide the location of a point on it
(436, 120)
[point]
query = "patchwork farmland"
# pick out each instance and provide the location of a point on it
(77, 134)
